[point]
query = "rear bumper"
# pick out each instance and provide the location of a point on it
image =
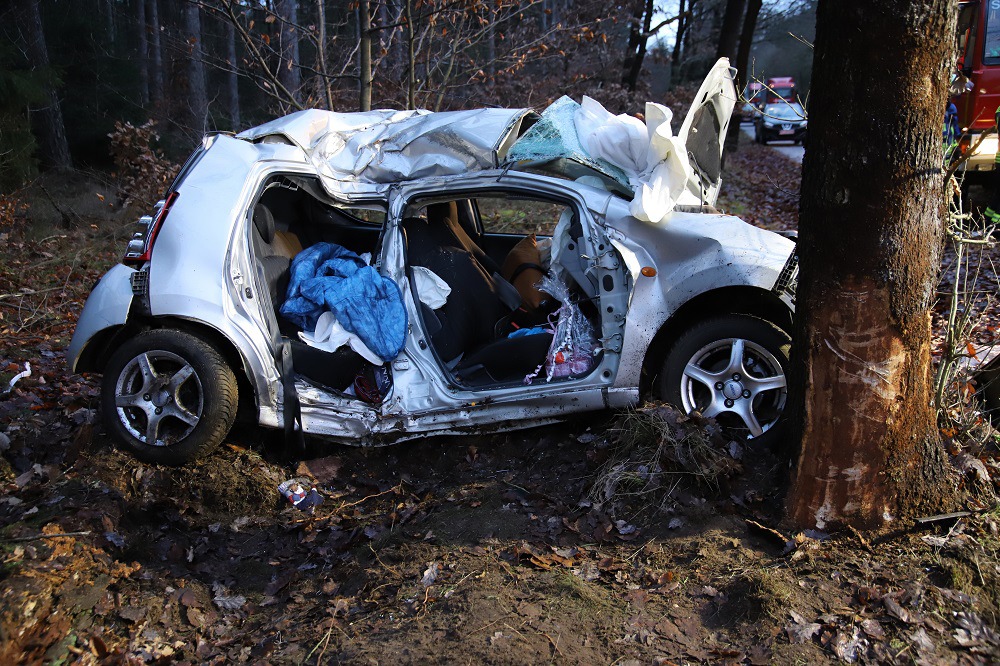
(984, 156)
(107, 306)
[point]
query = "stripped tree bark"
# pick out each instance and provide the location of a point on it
(871, 219)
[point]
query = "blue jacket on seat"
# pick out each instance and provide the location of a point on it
(326, 276)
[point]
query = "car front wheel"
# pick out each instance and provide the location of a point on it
(732, 369)
(169, 396)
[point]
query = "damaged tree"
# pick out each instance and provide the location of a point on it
(871, 220)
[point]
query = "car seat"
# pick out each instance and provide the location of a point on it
(335, 369)
(468, 318)
(271, 260)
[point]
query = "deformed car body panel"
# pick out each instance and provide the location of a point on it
(693, 253)
(204, 268)
(107, 307)
(385, 146)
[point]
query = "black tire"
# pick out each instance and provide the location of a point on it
(756, 388)
(182, 381)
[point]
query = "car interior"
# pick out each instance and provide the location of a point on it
(493, 279)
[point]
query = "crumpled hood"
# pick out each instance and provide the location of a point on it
(388, 146)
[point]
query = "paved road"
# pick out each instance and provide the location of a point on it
(786, 148)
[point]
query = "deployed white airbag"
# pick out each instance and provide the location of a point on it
(654, 160)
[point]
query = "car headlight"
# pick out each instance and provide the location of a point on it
(768, 124)
(804, 122)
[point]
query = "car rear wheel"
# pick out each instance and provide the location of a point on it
(733, 369)
(169, 396)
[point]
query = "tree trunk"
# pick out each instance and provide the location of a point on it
(742, 76)
(232, 80)
(156, 55)
(637, 38)
(746, 41)
(411, 59)
(365, 56)
(288, 71)
(197, 93)
(682, 22)
(675, 56)
(871, 217)
(143, 51)
(321, 54)
(730, 32)
(491, 42)
(108, 14)
(48, 120)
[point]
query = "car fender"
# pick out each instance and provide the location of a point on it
(107, 307)
(708, 265)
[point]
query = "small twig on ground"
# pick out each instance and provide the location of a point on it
(863, 541)
(379, 560)
(395, 488)
(325, 641)
(44, 536)
(555, 645)
(489, 624)
(772, 534)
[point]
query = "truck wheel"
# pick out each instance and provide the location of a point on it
(733, 369)
(169, 396)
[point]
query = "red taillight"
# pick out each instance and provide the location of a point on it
(140, 247)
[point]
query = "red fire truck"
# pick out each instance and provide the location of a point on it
(780, 88)
(979, 62)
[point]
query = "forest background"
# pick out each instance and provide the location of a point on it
(71, 70)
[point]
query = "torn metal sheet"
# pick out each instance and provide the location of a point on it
(389, 146)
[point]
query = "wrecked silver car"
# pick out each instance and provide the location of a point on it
(382, 276)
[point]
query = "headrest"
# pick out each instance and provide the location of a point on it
(264, 221)
(444, 216)
(440, 212)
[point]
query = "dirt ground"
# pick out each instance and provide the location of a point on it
(492, 549)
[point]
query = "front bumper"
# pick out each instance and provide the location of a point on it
(778, 133)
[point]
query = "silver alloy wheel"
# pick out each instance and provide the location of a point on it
(159, 398)
(738, 382)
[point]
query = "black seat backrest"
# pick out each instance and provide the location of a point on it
(443, 222)
(272, 264)
(468, 318)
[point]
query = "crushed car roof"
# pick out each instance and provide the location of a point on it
(368, 151)
(388, 146)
